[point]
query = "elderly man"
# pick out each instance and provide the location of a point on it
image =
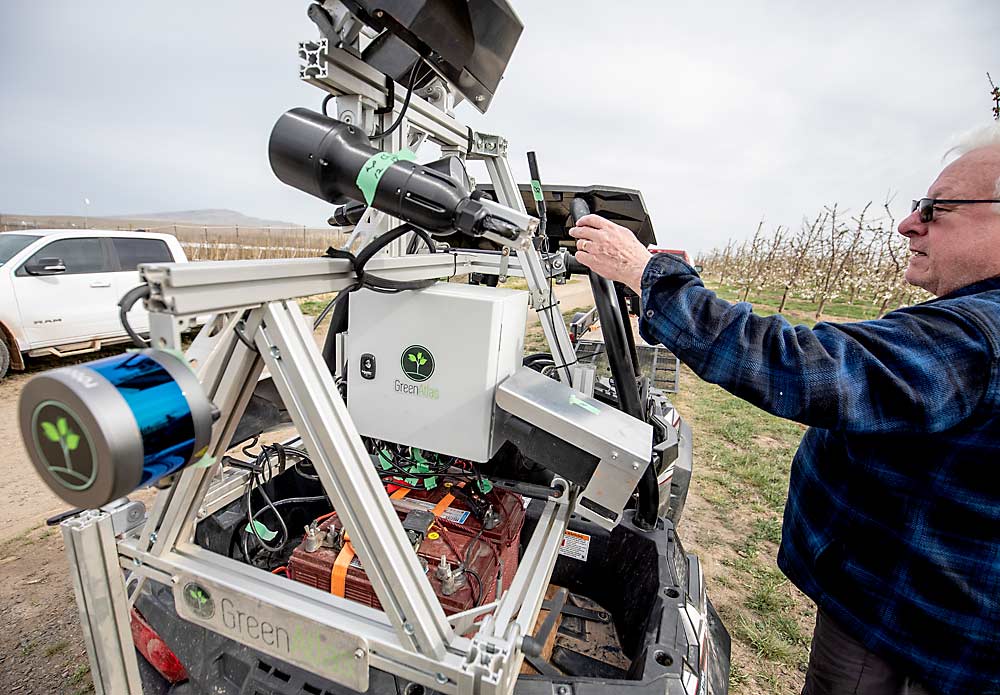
(892, 524)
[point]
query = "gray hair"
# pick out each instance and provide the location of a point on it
(985, 136)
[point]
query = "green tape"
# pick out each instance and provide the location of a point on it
(206, 462)
(575, 400)
(263, 531)
(383, 459)
(536, 190)
(484, 485)
(372, 171)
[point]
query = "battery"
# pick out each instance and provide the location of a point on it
(455, 534)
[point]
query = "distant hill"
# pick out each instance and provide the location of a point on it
(227, 218)
(219, 221)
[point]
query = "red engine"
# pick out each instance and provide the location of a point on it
(440, 524)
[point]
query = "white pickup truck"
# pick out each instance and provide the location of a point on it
(59, 289)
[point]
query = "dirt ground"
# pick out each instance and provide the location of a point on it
(26, 500)
(41, 646)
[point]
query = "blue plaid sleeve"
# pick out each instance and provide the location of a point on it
(922, 368)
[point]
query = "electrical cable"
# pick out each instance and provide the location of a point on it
(406, 104)
(479, 581)
(374, 282)
(124, 305)
(255, 477)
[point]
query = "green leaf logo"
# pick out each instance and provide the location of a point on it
(199, 596)
(199, 600)
(72, 463)
(51, 433)
(417, 363)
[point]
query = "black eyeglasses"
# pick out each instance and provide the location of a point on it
(927, 205)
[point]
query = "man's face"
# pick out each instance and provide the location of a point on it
(961, 245)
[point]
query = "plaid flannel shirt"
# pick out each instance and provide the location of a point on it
(892, 523)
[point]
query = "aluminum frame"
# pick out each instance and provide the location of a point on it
(412, 637)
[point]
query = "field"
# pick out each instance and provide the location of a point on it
(201, 242)
(732, 520)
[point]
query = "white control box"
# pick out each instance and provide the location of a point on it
(423, 365)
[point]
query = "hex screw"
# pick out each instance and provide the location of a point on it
(359, 654)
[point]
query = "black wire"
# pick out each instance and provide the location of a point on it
(406, 104)
(294, 500)
(468, 549)
(126, 303)
(251, 445)
(255, 477)
(373, 282)
(555, 334)
(359, 264)
(326, 100)
(479, 581)
(240, 330)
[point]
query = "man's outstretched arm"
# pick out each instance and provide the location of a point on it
(921, 369)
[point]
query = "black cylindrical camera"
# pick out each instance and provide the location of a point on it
(334, 161)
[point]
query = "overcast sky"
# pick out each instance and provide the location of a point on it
(721, 113)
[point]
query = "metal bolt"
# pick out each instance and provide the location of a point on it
(379, 13)
(275, 352)
(441, 678)
(480, 98)
(562, 690)
(614, 455)
(136, 561)
(359, 654)
(202, 513)
(152, 537)
(635, 466)
(175, 579)
(408, 628)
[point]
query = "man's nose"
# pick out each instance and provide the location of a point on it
(911, 225)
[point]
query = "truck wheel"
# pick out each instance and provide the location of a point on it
(4, 358)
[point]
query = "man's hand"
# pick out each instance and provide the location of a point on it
(610, 250)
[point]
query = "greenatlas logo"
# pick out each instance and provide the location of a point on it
(418, 363)
(62, 443)
(199, 600)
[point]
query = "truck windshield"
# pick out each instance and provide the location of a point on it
(11, 244)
